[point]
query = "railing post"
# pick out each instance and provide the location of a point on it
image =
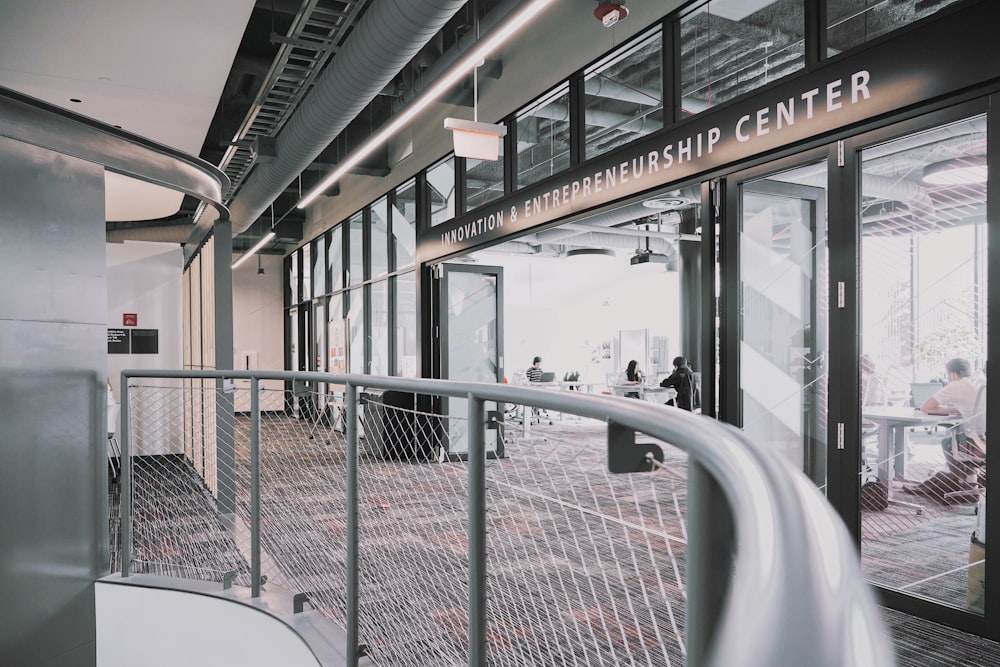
(351, 409)
(254, 487)
(709, 559)
(477, 531)
(125, 489)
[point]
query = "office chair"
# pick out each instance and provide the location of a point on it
(972, 463)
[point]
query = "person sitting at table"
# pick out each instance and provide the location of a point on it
(683, 381)
(534, 374)
(632, 375)
(959, 397)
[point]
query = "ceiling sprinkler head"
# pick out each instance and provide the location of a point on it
(610, 13)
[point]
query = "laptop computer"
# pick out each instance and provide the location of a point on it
(921, 391)
(548, 377)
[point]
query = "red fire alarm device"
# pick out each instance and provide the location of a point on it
(130, 319)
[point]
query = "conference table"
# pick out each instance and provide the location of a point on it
(892, 421)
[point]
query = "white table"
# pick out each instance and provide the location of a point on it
(646, 392)
(892, 421)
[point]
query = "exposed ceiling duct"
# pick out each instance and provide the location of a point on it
(386, 38)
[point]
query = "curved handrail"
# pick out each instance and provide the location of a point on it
(37, 122)
(796, 595)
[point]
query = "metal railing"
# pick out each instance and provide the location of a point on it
(484, 542)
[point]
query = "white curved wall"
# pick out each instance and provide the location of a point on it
(163, 628)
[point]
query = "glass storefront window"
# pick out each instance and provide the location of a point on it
(406, 325)
(319, 266)
(292, 267)
(337, 336)
(441, 190)
(542, 136)
(853, 22)
(380, 238)
(379, 294)
(335, 258)
(623, 96)
(404, 224)
(356, 230)
(924, 294)
(306, 272)
(356, 330)
(732, 48)
(483, 181)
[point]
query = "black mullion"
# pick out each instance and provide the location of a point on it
(577, 120)
(671, 68)
(815, 32)
(460, 186)
(510, 157)
(844, 381)
(709, 367)
(991, 606)
(731, 324)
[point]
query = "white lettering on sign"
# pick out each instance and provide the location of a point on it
(831, 97)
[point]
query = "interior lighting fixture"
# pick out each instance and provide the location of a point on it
(476, 140)
(260, 266)
(590, 252)
(472, 59)
(954, 172)
(253, 251)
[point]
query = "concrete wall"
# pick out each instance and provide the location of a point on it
(53, 350)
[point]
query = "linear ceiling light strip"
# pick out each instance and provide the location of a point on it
(470, 61)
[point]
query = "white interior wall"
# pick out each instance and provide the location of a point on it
(564, 309)
(145, 279)
(258, 329)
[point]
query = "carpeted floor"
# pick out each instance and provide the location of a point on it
(574, 551)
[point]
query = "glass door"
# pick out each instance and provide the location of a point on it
(471, 343)
(780, 280)
(922, 320)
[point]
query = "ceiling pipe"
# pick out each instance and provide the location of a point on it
(618, 216)
(388, 36)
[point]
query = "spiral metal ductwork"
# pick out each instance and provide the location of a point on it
(388, 36)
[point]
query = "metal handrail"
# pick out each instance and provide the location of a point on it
(795, 594)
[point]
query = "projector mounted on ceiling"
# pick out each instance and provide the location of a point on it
(647, 257)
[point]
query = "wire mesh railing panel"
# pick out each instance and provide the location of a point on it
(302, 497)
(178, 529)
(583, 566)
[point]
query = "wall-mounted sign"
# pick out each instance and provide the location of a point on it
(130, 319)
(118, 341)
(878, 80)
(145, 341)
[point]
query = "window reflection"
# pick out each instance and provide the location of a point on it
(356, 254)
(624, 95)
(732, 48)
(923, 303)
(404, 224)
(441, 190)
(542, 135)
(380, 238)
(406, 325)
(853, 22)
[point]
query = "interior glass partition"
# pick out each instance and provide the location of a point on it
(783, 287)
(484, 180)
(853, 22)
(923, 303)
(541, 135)
(731, 48)
(379, 238)
(441, 190)
(623, 95)
(404, 224)
(406, 325)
